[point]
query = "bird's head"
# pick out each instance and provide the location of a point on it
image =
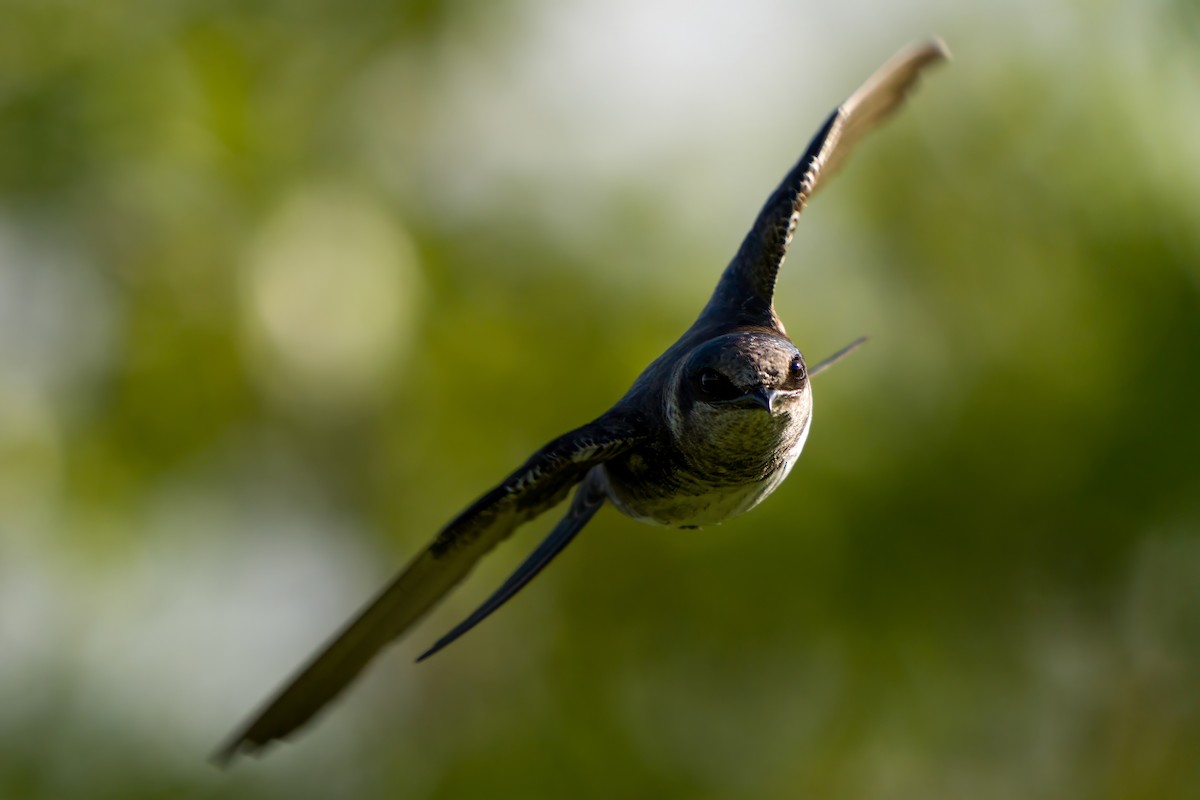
(740, 391)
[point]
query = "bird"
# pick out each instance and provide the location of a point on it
(707, 431)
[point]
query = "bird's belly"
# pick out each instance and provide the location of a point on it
(699, 508)
(706, 486)
(687, 500)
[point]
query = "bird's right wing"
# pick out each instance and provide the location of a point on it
(829, 361)
(536, 486)
(587, 501)
(747, 287)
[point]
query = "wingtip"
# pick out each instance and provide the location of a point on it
(224, 756)
(836, 357)
(244, 743)
(916, 56)
(441, 643)
(936, 46)
(923, 53)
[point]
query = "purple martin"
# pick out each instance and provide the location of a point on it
(705, 433)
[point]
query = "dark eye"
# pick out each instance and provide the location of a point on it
(796, 372)
(714, 385)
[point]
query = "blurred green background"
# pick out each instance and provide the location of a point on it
(284, 285)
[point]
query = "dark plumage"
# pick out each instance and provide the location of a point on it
(706, 432)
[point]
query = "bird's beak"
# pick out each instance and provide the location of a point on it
(764, 398)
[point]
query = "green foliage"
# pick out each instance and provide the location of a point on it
(982, 578)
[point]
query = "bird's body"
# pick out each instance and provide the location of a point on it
(710, 460)
(705, 433)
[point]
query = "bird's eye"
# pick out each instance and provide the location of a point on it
(714, 385)
(796, 373)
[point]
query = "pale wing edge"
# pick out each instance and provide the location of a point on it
(747, 286)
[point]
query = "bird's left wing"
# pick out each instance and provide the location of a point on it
(539, 484)
(747, 287)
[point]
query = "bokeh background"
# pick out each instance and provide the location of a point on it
(283, 285)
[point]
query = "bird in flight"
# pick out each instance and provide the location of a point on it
(705, 433)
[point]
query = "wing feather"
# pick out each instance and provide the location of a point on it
(539, 484)
(747, 287)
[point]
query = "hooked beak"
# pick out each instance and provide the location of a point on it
(763, 398)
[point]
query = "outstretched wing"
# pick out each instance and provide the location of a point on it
(538, 485)
(587, 501)
(747, 286)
